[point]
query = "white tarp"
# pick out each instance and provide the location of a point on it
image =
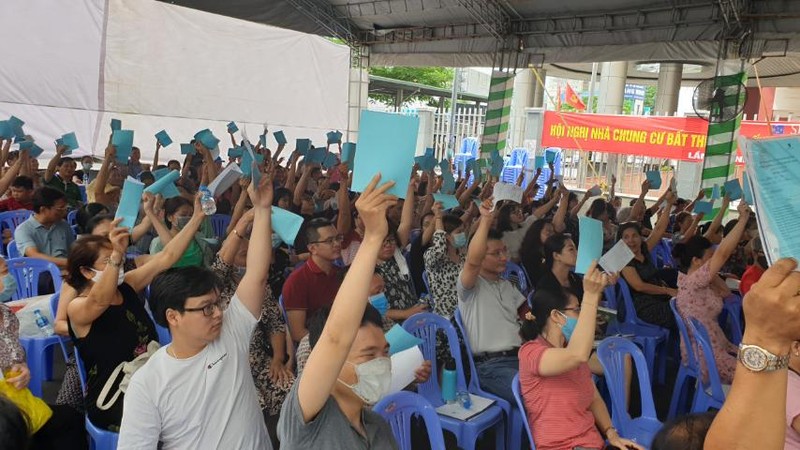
(74, 65)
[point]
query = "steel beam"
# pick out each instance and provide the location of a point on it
(325, 15)
(490, 15)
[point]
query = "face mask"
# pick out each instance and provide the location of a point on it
(182, 221)
(374, 379)
(87, 166)
(380, 303)
(9, 287)
(459, 240)
(568, 327)
(98, 275)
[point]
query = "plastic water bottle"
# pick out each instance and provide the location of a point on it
(43, 323)
(449, 381)
(207, 201)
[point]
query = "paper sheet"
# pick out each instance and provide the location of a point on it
(160, 173)
(654, 177)
(703, 207)
(591, 244)
(733, 189)
(404, 366)
(160, 184)
(70, 140)
(303, 145)
(163, 138)
(129, 202)
(229, 175)
(348, 153)
(286, 224)
(386, 145)
(188, 149)
(122, 140)
(615, 259)
(507, 191)
(747, 192)
(280, 137)
(595, 191)
(399, 339)
(448, 201)
(456, 411)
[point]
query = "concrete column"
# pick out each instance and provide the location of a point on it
(358, 91)
(522, 98)
(538, 94)
(425, 136)
(668, 90)
(609, 101)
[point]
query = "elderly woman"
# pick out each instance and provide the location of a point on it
(444, 260)
(107, 319)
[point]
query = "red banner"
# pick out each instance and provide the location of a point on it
(681, 138)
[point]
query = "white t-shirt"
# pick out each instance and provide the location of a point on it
(207, 401)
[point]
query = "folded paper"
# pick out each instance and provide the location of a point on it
(235, 152)
(715, 192)
(160, 184)
(747, 193)
(129, 202)
(654, 177)
(550, 155)
(400, 340)
(232, 128)
(280, 137)
(334, 137)
(116, 124)
(163, 138)
(700, 208)
(538, 162)
(507, 191)
(160, 173)
(122, 140)
(303, 146)
(263, 140)
(617, 258)
(733, 189)
(207, 138)
(348, 153)
(591, 244)
(386, 145)
(316, 155)
(226, 178)
(286, 224)
(404, 368)
(188, 149)
(6, 130)
(448, 201)
(330, 160)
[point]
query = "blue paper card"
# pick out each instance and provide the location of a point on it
(232, 128)
(386, 145)
(303, 146)
(280, 137)
(348, 153)
(448, 201)
(188, 149)
(334, 137)
(316, 155)
(399, 339)
(263, 140)
(15, 122)
(733, 189)
(590, 247)
(747, 192)
(255, 173)
(427, 161)
(448, 182)
(550, 155)
(235, 152)
(538, 162)
(700, 207)
(330, 160)
(116, 124)
(70, 140)
(35, 151)
(26, 145)
(207, 138)
(160, 173)
(122, 140)
(654, 177)
(497, 165)
(129, 202)
(716, 192)
(170, 191)
(286, 224)
(470, 165)
(246, 164)
(160, 184)
(6, 130)
(444, 165)
(163, 138)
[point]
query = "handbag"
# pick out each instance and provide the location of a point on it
(127, 368)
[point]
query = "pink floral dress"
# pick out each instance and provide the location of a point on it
(698, 299)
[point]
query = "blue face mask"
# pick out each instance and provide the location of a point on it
(9, 287)
(459, 240)
(568, 327)
(380, 303)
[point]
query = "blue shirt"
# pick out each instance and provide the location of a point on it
(54, 241)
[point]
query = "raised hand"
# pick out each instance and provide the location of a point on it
(437, 209)
(772, 307)
(119, 237)
(645, 186)
(595, 281)
(261, 195)
(744, 210)
(372, 206)
(486, 208)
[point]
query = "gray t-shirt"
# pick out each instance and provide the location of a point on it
(331, 430)
(489, 312)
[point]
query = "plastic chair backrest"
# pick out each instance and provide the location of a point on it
(610, 295)
(516, 270)
(27, 272)
(220, 224)
(624, 294)
(12, 219)
(426, 281)
(515, 388)
(81, 370)
(425, 327)
(12, 251)
(704, 348)
(611, 353)
(474, 383)
(519, 156)
(684, 334)
(398, 408)
(72, 217)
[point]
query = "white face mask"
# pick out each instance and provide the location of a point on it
(374, 379)
(98, 275)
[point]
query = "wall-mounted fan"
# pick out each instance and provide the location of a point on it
(717, 100)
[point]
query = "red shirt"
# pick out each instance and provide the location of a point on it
(309, 288)
(557, 407)
(750, 276)
(11, 204)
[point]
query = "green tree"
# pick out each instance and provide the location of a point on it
(441, 77)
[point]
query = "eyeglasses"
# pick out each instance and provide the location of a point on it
(208, 310)
(388, 242)
(577, 309)
(338, 239)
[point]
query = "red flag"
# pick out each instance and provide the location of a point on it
(573, 100)
(558, 102)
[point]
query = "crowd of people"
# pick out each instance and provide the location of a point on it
(277, 345)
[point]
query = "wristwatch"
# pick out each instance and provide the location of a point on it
(757, 359)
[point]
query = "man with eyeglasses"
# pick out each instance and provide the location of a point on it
(313, 285)
(46, 235)
(198, 392)
(488, 305)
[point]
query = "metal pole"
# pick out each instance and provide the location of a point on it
(592, 80)
(451, 141)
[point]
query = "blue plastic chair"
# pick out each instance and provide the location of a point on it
(514, 428)
(39, 355)
(12, 250)
(164, 336)
(72, 218)
(66, 349)
(220, 222)
(648, 336)
(99, 439)
(709, 394)
(425, 326)
(27, 272)
(688, 371)
(515, 388)
(611, 352)
(661, 255)
(426, 282)
(398, 408)
(10, 220)
(731, 318)
(82, 190)
(515, 272)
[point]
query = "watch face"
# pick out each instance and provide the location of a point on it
(754, 359)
